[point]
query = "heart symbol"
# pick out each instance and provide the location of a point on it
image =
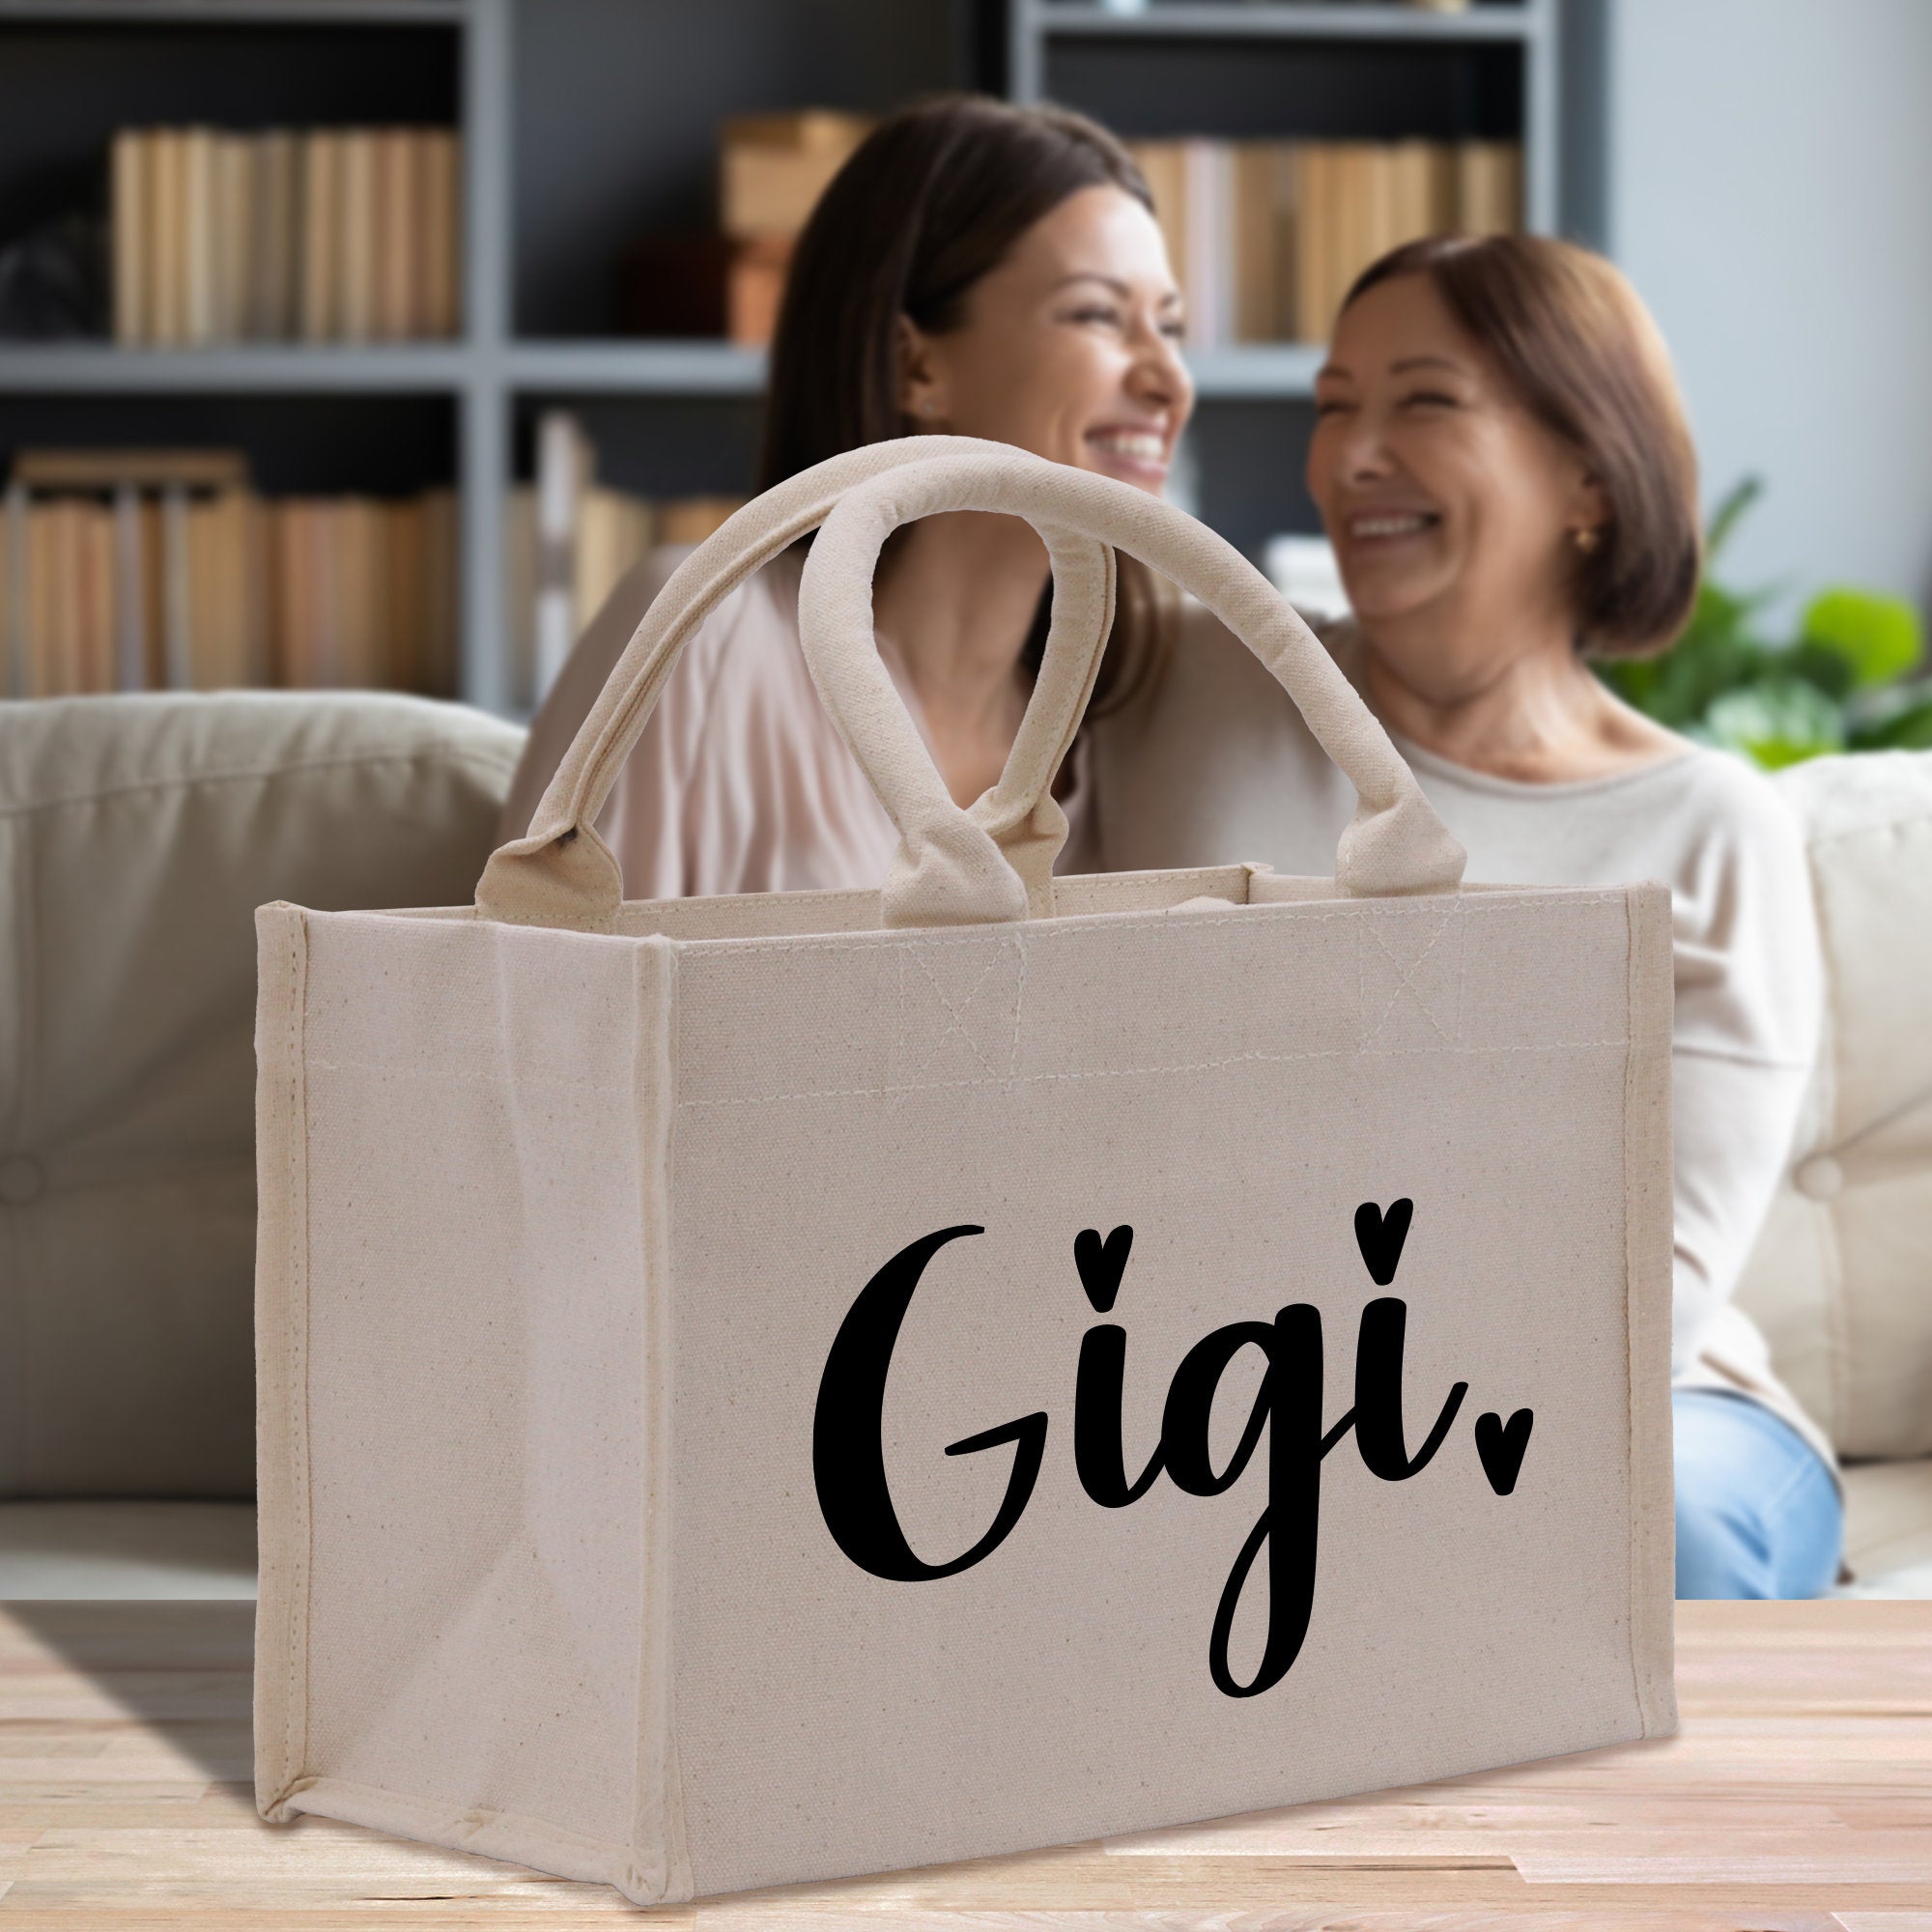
(1380, 1236)
(1103, 1264)
(1500, 1444)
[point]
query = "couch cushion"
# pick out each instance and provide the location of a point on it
(1889, 1520)
(1841, 1280)
(137, 836)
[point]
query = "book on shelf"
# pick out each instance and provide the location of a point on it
(771, 168)
(358, 265)
(571, 541)
(435, 164)
(327, 235)
(152, 570)
(1265, 236)
(754, 287)
(318, 245)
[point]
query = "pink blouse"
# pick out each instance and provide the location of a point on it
(739, 783)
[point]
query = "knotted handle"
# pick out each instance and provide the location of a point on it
(561, 873)
(948, 870)
(994, 862)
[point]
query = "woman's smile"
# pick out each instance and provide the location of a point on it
(1377, 529)
(1134, 453)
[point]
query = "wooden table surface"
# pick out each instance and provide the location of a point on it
(1798, 1798)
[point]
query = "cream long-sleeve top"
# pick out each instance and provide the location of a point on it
(739, 783)
(1217, 765)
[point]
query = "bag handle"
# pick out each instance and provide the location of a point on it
(948, 870)
(560, 872)
(994, 862)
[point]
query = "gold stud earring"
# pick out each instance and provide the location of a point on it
(1586, 539)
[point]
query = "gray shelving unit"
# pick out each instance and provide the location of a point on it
(586, 119)
(1519, 34)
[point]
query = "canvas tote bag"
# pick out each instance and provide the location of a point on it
(760, 1388)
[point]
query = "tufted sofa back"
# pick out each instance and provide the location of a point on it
(137, 836)
(1841, 1280)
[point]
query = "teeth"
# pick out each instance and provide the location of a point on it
(1125, 442)
(1387, 527)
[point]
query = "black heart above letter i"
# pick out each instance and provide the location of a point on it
(1101, 1265)
(1500, 1444)
(1380, 1236)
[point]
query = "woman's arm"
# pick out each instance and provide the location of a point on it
(1749, 994)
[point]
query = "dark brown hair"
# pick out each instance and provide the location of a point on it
(1573, 339)
(932, 201)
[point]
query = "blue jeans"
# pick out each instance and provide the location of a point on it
(1758, 1512)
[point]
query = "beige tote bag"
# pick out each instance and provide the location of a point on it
(760, 1388)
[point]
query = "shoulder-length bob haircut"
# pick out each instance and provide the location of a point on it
(933, 199)
(1572, 338)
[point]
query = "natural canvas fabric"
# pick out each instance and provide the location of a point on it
(764, 1388)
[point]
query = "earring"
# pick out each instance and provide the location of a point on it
(1586, 539)
(927, 408)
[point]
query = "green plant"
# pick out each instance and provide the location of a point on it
(1843, 683)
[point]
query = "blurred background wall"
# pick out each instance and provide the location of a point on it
(1769, 190)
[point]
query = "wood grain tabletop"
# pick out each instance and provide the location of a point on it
(1797, 1798)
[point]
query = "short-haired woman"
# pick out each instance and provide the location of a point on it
(1501, 462)
(977, 268)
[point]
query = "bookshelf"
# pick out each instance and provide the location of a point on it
(584, 122)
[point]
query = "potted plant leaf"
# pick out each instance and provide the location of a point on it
(1851, 679)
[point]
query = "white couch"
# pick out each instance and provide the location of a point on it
(136, 837)
(1841, 1279)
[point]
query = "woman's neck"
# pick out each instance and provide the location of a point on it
(1532, 712)
(955, 602)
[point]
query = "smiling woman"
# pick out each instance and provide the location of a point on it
(975, 269)
(1501, 462)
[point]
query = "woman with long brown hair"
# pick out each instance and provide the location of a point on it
(975, 268)
(1501, 462)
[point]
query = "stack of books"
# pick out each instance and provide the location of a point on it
(771, 168)
(571, 540)
(333, 234)
(158, 570)
(772, 173)
(1267, 235)
(364, 592)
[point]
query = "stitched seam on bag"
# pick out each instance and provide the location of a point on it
(1462, 985)
(1019, 1010)
(441, 1076)
(671, 1852)
(1408, 978)
(959, 1013)
(436, 1076)
(896, 1057)
(439, 1821)
(1137, 1073)
(694, 910)
(1075, 926)
(1634, 1533)
(301, 1474)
